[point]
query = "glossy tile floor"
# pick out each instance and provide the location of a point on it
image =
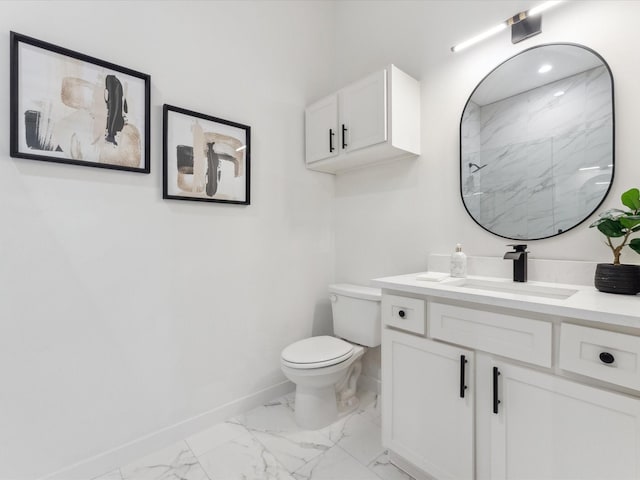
(266, 444)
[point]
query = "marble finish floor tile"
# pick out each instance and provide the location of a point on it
(176, 462)
(275, 416)
(274, 426)
(335, 464)
(359, 435)
(244, 458)
(294, 449)
(215, 436)
(266, 444)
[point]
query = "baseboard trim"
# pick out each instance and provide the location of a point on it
(130, 451)
(370, 384)
(408, 467)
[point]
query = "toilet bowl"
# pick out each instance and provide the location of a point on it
(309, 364)
(326, 369)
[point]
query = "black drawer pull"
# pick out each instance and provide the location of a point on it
(463, 387)
(344, 136)
(401, 314)
(331, 134)
(606, 357)
(496, 402)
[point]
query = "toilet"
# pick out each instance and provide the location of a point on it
(325, 369)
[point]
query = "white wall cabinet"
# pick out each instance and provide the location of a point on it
(363, 112)
(521, 415)
(370, 121)
(321, 124)
(427, 411)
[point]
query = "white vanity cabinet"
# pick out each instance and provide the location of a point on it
(369, 121)
(545, 397)
(538, 425)
(428, 403)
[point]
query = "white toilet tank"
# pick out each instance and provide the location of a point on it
(356, 313)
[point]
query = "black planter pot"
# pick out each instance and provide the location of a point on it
(623, 279)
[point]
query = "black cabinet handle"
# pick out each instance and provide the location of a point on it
(331, 134)
(496, 402)
(344, 136)
(401, 314)
(606, 357)
(463, 387)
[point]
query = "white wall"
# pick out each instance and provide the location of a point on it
(122, 313)
(389, 218)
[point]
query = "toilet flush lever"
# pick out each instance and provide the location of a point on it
(333, 298)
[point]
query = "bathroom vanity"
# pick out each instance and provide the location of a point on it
(485, 378)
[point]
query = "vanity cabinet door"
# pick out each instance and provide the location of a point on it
(553, 428)
(363, 112)
(427, 411)
(321, 129)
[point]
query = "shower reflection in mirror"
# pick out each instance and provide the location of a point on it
(536, 142)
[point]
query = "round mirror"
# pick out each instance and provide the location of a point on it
(536, 142)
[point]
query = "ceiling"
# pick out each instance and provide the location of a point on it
(423, 32)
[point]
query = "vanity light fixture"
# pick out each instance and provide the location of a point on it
(523, 25)
(545, 68)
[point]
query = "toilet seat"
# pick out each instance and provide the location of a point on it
(316, 352)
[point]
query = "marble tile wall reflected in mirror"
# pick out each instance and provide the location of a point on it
(538, 162)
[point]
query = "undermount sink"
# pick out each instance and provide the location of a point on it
(508, 286)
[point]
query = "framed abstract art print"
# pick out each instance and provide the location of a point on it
(67, 107)
(206, 159)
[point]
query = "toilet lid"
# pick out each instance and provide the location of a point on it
(316, 352)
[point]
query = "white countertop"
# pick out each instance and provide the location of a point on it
(586, 304)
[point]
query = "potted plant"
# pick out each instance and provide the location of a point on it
(615, 223)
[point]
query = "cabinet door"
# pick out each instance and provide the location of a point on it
(363, 112)
(552, 428)
(321, 129)
(425, 419)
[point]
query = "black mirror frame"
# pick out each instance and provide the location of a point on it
(613, 137)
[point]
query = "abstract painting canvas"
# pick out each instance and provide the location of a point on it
(67, 107)
(206, 159)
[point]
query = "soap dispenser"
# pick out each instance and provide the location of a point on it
(458, 263)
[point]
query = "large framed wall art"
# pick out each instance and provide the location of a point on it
(67, 107)
(206, 159)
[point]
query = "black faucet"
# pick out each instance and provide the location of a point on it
(519, 257)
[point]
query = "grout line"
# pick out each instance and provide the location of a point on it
(197, 459)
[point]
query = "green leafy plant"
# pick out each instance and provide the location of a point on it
(616, 223)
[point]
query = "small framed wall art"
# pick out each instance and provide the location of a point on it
(67, 107)
(206, 159)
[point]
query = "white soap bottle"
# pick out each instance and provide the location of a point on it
(458, 263)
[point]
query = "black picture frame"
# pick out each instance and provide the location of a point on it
(60, 100)
(220, 174)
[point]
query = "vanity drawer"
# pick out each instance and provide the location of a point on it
(511, 336)
(609, 356)
(404, 313)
